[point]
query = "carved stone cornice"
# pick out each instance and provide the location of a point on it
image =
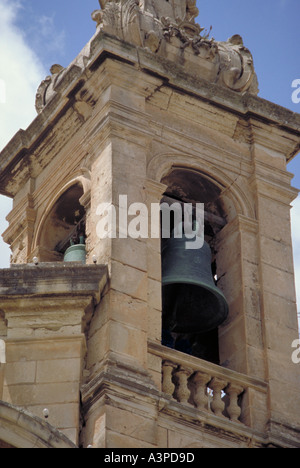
(152, 73)
(52, 279)
(50, 297)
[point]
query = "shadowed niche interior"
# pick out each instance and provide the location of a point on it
(64, 225)
(193, 304)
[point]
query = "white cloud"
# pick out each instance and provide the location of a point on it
(20, 74)
(20, 71)
(296, 244)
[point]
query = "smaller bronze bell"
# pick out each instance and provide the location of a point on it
(76, 253)
(192, 303)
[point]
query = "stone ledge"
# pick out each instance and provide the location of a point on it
(185, 415)
(280, 434)
(49, 279)
(116, 373)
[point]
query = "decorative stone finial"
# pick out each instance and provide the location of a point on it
(168, 28)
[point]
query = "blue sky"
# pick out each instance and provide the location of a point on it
(34, 34)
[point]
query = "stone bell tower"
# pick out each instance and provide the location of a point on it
(152, 110)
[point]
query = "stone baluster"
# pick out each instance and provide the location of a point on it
(182, 392)
(217, 405)
(199, 390)
(167, 381)
(233, 409)
(189, 387)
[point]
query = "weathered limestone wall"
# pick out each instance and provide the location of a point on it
(47, 308)
(118, 121)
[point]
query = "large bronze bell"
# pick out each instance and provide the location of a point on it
(192, 303)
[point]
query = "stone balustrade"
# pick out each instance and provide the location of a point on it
(203, 391)
(207, 387)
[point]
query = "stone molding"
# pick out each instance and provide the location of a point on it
(56, 278)
(21, 429)
(69, 294)
(102, 46)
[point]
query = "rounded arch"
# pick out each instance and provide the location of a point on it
(226, 198)
(163, 164)
(64, 209)
(21, 429)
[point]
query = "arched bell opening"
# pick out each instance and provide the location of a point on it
(63, 234)
(194, 306)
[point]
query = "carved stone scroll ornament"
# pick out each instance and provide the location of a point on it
(120, 18)
(45, 90)
(153, 24)
(169, 30)
(236, 65)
